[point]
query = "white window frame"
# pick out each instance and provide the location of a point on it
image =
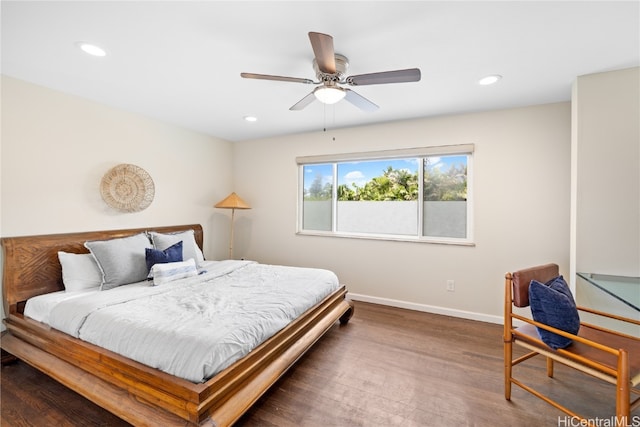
(419, 152)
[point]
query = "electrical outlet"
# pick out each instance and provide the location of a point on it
(451, 285)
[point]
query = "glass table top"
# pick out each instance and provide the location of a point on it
(626, 289)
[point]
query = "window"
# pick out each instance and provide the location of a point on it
(317, 198)
(421, 194)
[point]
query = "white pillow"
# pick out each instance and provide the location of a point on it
(79, 271)
(170, 271)
(190, 248)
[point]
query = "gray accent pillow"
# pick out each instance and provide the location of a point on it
(121, 261)
(79, 271)
(190, 248)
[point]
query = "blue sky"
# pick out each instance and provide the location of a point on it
(362, 172)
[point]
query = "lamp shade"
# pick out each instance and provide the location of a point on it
(232, 201)
(329, 94)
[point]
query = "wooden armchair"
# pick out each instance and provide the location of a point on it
(605, 354)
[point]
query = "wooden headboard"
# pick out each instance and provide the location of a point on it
(31, 265)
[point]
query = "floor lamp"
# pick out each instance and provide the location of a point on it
(233, 202)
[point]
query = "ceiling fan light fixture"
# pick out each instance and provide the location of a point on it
(329, 94)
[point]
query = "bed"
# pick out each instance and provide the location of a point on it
(134, 391)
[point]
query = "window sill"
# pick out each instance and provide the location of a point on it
(391, 238)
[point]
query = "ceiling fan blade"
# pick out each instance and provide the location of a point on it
(360, 101)
(397, 76)
(303, 102)
(277, 78)
(322, 45)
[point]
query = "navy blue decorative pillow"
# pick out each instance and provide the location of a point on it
(172, 254)
(552, 304)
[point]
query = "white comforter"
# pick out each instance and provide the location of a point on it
(195, 327)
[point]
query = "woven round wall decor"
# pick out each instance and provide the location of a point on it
(127, 188)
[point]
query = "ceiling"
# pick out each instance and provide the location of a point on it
(180, 61)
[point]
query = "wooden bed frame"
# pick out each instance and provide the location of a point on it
(138, 394)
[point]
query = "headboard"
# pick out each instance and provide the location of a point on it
(31, 265)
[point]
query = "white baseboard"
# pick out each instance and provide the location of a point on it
(427, 308)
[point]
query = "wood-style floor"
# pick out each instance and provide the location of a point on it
(386, 367)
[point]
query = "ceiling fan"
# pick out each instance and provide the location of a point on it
(330, 68)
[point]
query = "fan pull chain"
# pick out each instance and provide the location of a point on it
(324, 119)
(333, 108)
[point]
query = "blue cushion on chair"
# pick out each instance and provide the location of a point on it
(552, 304)
(172, 254)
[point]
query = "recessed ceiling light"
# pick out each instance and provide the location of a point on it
(489, 80)
(91, 49)
(250, 118)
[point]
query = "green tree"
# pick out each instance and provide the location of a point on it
(446, 185)
(402, 184)
(393, 184)
(318, 191)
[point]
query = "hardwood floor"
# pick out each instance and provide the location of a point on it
(386, 367)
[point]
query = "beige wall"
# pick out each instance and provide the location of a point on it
(56, 148)
(605, 215)
(606, 148)
(521, 214)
